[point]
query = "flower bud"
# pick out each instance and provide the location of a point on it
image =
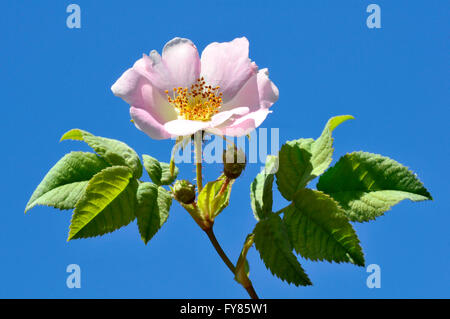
(184, 191)
(233, 162)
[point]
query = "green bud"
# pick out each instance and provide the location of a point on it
(184, 191)
(234, 162)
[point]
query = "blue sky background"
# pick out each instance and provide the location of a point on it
(325, 62)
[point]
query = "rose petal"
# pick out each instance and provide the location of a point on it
(242, 126)
(248, 96)
(268, 92)
(158, 72)
(136, 89)
(223, 116)
(182, 59)
(179, 65)
(185, 127)
(147, 123)
(128, 87)
(227, 65)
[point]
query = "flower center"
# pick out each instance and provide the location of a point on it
(197, 103)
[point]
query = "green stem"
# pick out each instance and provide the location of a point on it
(250, 290)
(199, 176)
(208, 230)
(198, 162)
(219, 250)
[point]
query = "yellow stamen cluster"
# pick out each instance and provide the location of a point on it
(198, 103)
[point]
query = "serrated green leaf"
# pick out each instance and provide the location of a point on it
(74, 134)
(152, 211)
(62, 197)
(366, 185)
(210, 202)
(338, 120)
(113, 151)
(107, 204)
(319, 230)
(272, 242)
(303, 160)
(295, 166)
(322, 148)
(153, 168)
(261, 195)
(160, 173)
(64, 184)
(168, 177)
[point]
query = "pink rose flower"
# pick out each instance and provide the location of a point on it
(179, 93)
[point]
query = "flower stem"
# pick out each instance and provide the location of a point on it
(208, 229)
(198, 162)
(219, 249)
(250, 290)
(199, 176)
